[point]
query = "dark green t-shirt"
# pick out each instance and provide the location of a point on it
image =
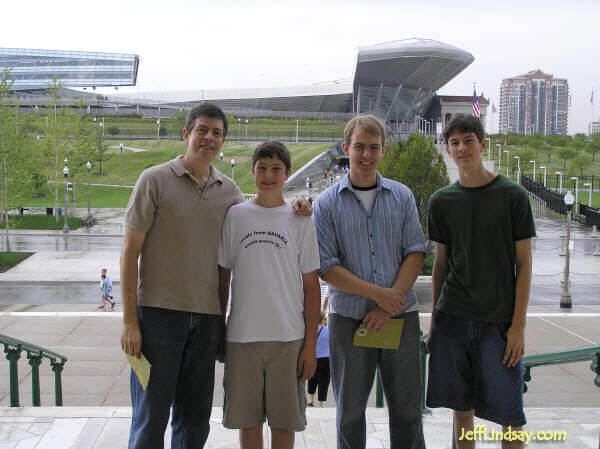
(479, 227)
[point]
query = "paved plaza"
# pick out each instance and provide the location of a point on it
(51, 300)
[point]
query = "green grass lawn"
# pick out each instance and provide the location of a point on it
(135, 163)
(39, 221)
(9, 260)
(256, 128)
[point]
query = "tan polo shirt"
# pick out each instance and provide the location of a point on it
(183, 222)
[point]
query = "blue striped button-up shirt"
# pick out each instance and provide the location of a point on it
(371, 244)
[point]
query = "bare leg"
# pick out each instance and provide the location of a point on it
(321, 404)
(312, 399)
(252, 437)
(282, 439)
(517, 444)
(463, 423)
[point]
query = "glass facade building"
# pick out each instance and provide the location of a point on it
(397, 80)
(35, 69)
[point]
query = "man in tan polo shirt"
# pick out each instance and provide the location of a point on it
(171, 309)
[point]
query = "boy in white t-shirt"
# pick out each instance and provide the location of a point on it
(275, 298)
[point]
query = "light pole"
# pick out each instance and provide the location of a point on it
(66, 173)
(544, 167)
(88, 165)
(589, 184)
(533, 162)
(489, 148)
(239, 128)
(518, 158)
(499, 156)
(221, 157)
(576, 208)
(158, 130)
(297, 128)
(565, 298)
(121, 165)
(246, 144)
(560, 185)
(507, 164)
(232, 166)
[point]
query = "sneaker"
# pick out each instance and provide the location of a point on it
(101, 307)
(112, 305)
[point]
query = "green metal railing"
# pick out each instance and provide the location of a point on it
(591, 353)
(13, 349)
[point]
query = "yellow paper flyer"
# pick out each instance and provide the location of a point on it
(388, 338)
(141, 368)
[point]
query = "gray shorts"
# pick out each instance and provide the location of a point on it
(261, 382)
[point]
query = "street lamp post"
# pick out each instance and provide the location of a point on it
(499, 145)
(232, 168)
(297, 129)
(158, 130)
(544, 167)
(88, 165)
(533, 162)
(246, 144)
(565, 298)
(121, 165)
(239, 128)
(589, 184)
(561, 176)
(507, 164)
(518, 158)
(576, 208)
(221, 157)
(66, 174)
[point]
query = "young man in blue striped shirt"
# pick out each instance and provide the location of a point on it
(372, 248)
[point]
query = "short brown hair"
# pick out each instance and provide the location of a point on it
(464, 123)
(207, 110)
(271, 149)
(368, 123)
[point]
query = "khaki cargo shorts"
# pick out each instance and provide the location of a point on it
(261, 382)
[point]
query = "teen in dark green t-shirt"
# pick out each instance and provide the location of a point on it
(482, 227)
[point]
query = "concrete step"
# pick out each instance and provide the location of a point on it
(108, 428)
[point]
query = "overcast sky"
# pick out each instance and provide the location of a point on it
(186, 44)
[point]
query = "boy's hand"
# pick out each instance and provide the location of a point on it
(302, 206)
(390, 300)
(515, 345)
(376, 319)
(307, 363)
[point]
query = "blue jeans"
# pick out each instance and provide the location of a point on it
(353, 372)
(181, 347)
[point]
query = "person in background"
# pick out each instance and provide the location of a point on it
(322, 376)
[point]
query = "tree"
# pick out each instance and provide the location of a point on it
(580, 162)
(593, 146)
(566, 153)
(419, 165)
(113, 130)
(17, 160)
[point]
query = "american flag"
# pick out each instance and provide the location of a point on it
(476, 105)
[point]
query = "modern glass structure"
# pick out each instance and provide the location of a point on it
(35, 69)
(397, 80)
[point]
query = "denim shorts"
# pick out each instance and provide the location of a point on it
(466, 370)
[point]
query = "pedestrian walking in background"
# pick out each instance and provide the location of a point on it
(322, 376)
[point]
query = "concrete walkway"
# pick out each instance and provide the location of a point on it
(108, 428)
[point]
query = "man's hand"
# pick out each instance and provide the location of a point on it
(131, 340)
(377, 319)
(515, 345)
(307, 363)
(302, 206)
(390, 300)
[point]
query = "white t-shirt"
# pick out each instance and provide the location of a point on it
(267, 249)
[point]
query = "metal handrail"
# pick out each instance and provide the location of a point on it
(591, 353)
(13, 349)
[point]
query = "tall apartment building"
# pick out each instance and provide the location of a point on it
(534, 103)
